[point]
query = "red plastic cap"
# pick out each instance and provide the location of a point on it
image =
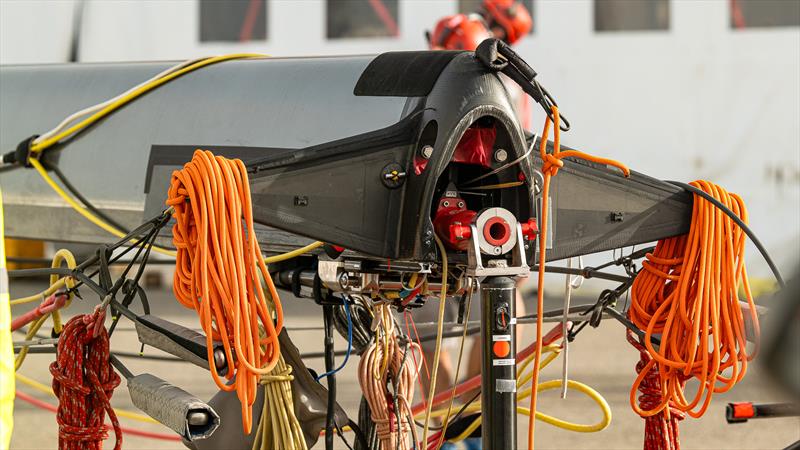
(511, 16)
(743, 410)
(459, 32)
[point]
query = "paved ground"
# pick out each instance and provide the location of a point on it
(599, 357)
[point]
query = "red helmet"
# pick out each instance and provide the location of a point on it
(511, 16)
(458, 32)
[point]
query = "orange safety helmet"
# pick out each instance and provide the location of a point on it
(458, 32)
(509, 15)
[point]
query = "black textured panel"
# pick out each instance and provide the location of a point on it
(403, 74)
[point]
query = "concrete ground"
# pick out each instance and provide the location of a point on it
(599, 357)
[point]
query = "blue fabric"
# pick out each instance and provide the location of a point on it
(473, 444)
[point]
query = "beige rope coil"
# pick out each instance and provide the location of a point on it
(391, 427)
(278, 427)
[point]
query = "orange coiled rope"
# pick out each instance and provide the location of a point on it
(217, 271)
(687, 291)
(552, 162)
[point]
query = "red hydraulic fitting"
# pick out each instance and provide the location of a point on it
(530, 229)
(459, 232)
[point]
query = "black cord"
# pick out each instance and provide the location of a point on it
(738, 222)
(341, 435)
(327, 314)
(362, 440)
(77, 194)
(455, 416)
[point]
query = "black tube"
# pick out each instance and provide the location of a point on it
(327, 315)
(77, 194)
(741, 225)
(743, 411)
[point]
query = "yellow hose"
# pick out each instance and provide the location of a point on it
(523, 379)
(38, 147)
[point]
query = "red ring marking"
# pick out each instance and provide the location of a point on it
(502, 236)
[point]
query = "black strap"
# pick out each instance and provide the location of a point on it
(498, 56)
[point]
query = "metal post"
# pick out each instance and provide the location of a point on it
(499, 381)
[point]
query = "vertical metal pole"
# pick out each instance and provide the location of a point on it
(499, 381)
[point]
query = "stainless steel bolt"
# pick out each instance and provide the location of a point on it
(426, 151)
(500, 155)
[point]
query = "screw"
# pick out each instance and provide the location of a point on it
(219, 359)
(426, 151)
(497, 250)
(500, 155)
(344, 280)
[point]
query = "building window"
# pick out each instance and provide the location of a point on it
(628, 15)
(233, 20)
(361, 18)
(764, 13)
(476, 6)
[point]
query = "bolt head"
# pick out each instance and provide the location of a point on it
(500, 155)
(426, 151)
(344, 280)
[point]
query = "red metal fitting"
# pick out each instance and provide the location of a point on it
(496, 231)
(459, 232)
(530, 229)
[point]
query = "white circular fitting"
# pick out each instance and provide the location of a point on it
(497, 231)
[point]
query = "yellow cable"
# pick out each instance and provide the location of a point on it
(439, 332)
(83, 211)
(49, 391)
(41, 295)
(60, 257)
(109, 228)
(38, 147)
(293, 253)
(458, 367)
(523, 379)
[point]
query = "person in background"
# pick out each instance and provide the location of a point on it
(508, 20)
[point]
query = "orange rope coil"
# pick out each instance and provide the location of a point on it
(687, 291)
(551, 163)
(217, 271)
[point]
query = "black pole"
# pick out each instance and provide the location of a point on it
(499, 381)
(327, 314)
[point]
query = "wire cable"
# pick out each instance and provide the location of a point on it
(77, 194)
(349, 341)
(83, 211)
(102, 110)
(438, 346)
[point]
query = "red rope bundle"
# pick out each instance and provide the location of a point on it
(83, 381)
(660, 430)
